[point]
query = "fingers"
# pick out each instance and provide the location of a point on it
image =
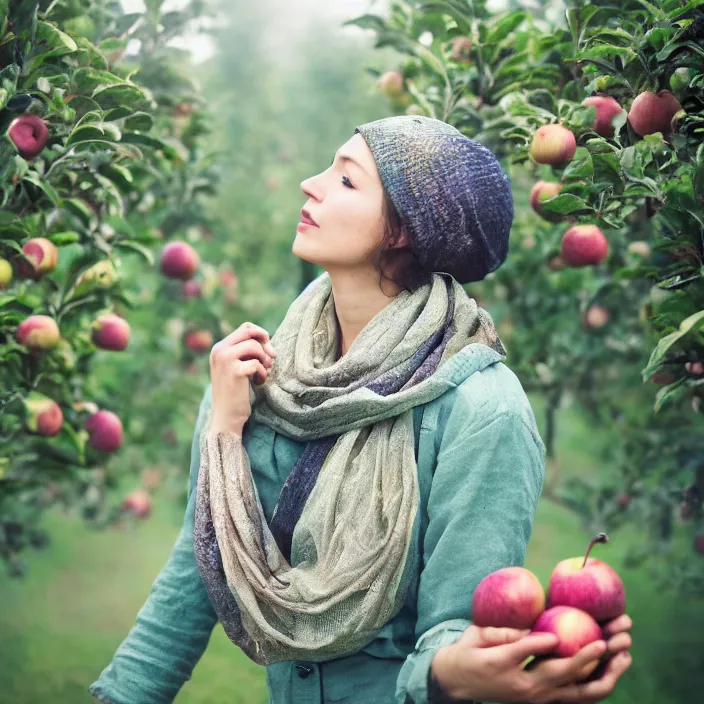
(532, 644)
(619, 642)
(248, 331)
(598, 689)
(618, 625)
(561, 671)
(488, 636)
(242, 351)
(255, 369)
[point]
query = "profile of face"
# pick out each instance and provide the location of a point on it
(345, 202)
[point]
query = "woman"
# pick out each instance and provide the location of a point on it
(344, 507)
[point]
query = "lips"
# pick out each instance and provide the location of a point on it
(307, 219)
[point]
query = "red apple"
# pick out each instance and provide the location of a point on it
(529, 241)
(639, 248)
(192, 289)
(588, 584)
(699, 544)
(574, 628)
(5, 273)
(38, 332)
(511, 597)
(42, 256)
(596, 317)
(105, 431)
(29, 134)
(151, 478)
(554, 145)
(542, 191)
(138, 502)
(179, 260)
(652, 112)
(391, 83)
(624, 500)
(111, 332)
(584, 245)
(606, 109)
(460, 48)
(694, 368)
(44, 416)
(555, 263)
(661, 378)
(199, 340)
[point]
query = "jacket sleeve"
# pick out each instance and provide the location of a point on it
(481, 506)
(173, 626)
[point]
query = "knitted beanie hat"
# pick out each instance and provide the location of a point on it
(450, 191)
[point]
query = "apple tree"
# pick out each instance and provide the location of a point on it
(100, 162)
(598, 117)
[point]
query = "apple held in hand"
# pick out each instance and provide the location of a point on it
(588, 584)
(574, 628)
(511, 597)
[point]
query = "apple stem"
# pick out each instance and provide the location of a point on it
(600, 538)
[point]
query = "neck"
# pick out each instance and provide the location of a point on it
(358, 298)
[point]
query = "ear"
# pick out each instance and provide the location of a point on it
(402, 241)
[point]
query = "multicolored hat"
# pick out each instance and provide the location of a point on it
(452, 195)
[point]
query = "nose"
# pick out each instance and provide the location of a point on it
(308, 187)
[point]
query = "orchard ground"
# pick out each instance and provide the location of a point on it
(62, 624)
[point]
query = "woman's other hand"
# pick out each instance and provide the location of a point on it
(245, 353)
(487, 664)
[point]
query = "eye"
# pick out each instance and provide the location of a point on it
(347, 182)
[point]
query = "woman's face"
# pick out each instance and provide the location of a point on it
(345, 202)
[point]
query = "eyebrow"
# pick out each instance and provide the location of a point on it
(344, 157)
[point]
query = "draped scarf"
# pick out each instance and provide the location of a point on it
(333, 566)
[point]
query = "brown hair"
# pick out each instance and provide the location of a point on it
(400, 264)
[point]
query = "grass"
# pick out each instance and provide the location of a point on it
(62, 623)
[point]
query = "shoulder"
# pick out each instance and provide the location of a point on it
(484, 397)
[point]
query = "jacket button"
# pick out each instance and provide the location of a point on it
(304, 670)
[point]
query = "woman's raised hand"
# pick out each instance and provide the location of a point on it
(486, 664)
(245, 353)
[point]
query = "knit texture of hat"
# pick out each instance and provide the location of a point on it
(453, 197)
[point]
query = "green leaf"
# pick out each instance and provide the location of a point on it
(565, 203)
(137, 247)
(678, 12)
(505, 26)
(62, 238)
(653, 10)
(139, 122)
(56, 40)
(148, 141)
(664, 344)
(48, 189)
(670, 392)
(117, 113)
(80, 209)
(86, 133)
(111, 96)
(367, 22)
(88, 79)
(119, 175)
(581, 166)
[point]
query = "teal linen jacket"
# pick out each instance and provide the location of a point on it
(481, 466)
